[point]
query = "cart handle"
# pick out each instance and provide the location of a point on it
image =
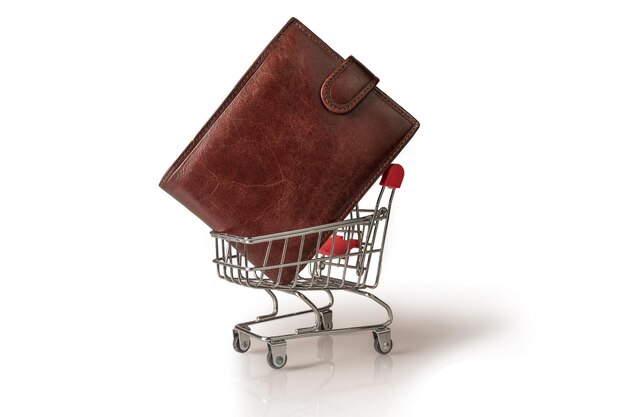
(393, 176)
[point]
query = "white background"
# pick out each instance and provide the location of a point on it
(505, 264)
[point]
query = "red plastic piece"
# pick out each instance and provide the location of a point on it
(393, 176)
(340, 247)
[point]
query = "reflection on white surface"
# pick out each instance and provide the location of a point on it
(342, 375)
(316, 385)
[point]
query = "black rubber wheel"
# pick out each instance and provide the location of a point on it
(236, 345)
(327, 324)
(377, 347)
(270, 361)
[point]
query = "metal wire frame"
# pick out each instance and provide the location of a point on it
(347, 270)
(320, 325)
(351, 268)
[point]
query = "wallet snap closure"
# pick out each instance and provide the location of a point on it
(347, 85)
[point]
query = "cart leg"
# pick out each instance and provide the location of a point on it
(274, 306)
(314, 309)
(327, 313)
(277, 353)
(331, 300)
(377, 301)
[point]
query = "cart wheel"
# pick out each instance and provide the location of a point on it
(380, 350)
(278, 363)
(327, 320)
(240, 344)
(277, 353)
(382, 341)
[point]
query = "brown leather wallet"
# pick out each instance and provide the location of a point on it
(297, 143)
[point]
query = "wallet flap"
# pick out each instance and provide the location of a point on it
(347, 85)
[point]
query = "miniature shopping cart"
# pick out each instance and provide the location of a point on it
(348, 257)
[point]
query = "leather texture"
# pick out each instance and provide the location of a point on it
(297, 143)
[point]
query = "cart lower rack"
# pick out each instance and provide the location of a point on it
(350, 260)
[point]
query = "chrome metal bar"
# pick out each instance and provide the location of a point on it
(282, 260)
(267, 255)
(384, 239)
(374, 224)
(274, 307)
(231, 256)
(314, 309)
(295, 274)
(245, 251)
(240, 269)
(217, 256)
(224, 255)
(369, 256)
(333, 237)
(277, 317)
(298, 232)
(316, 263)
(347, 258)
(377, 300)
(331, 300)
(288, 264)
(315, 330)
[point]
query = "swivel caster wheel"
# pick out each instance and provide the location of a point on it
(382, 341)
(327, 320)
(277, 362)
(277, 355)
(241, 342)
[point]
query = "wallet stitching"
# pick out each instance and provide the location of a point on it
(318, 41)
(332, 53)
(328, 99)
(396, 107)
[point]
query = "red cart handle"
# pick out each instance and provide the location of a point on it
(340, 247)
(393, 176)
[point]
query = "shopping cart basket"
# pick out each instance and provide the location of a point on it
(349, 259)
